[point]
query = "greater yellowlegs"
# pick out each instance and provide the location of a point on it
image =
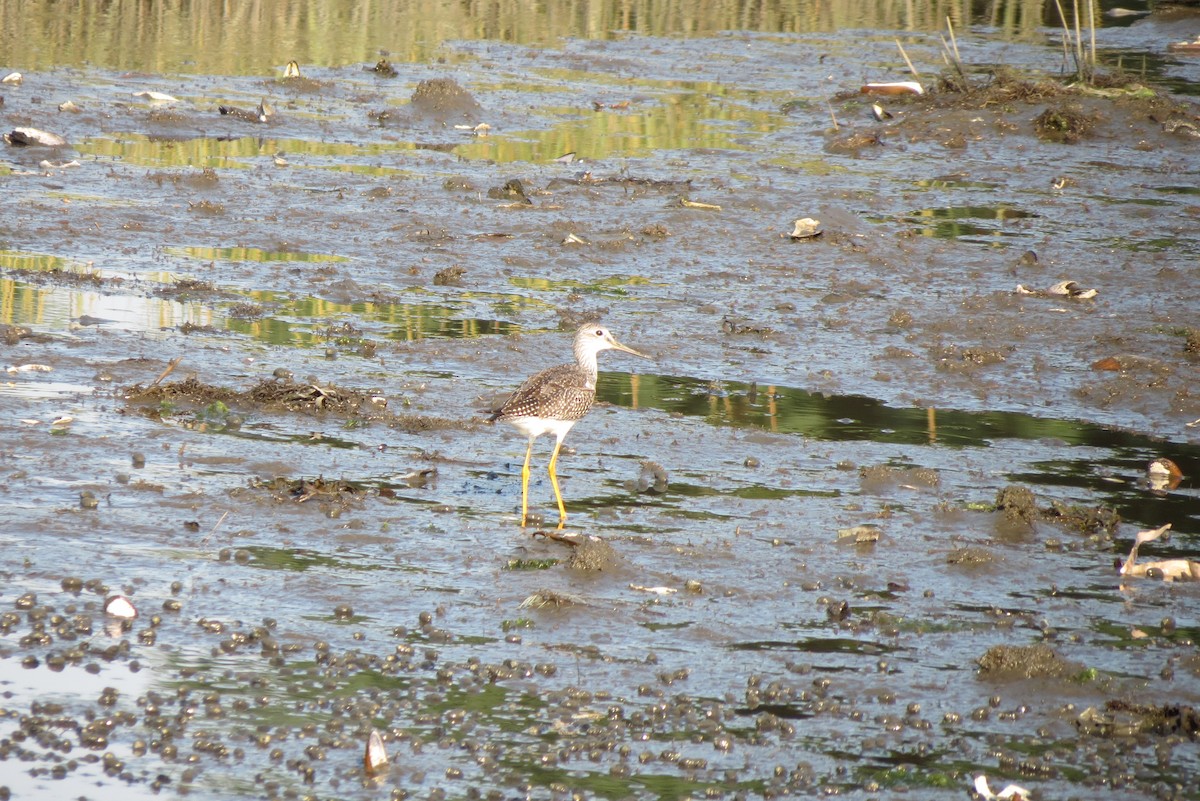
(554, 400)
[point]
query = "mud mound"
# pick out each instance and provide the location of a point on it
(1010, 662)
(443, 99)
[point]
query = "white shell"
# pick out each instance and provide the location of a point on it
(120, 606)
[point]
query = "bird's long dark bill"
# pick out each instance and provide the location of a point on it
(628, 349)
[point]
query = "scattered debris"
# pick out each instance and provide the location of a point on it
(1167, 570)
(28, 368)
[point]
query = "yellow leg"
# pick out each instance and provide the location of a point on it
(562, 510)
(525, 483)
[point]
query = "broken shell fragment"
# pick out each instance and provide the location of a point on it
(1071, 289)
(375, 759)
(880, 112)
(654, 590)
(652, 479)
(1163, 474)
(12, 78)
(292, 70)
(120, 606)
(69, 105)
(1174, 47)
(859, 535)
(893, 88)
(263, 113)
(156, 97)
(1167, 570)
(1164, 467)
(1010, 791)
(806, 228)
(30, 137)
(693, 204)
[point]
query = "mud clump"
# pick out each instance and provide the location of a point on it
(276, 395)
(206, 178)
(1018, 504)
(1066, 124)
(191, 390)
(1191, 343)
(451, 276)
(267, 394)
(301, 490)
(970, 557)
(877, 478)
(1011, 662)
(12, 334)
(955, 358)
(1084, 519)
(443, 99)
(1125, 719)
(592, 555)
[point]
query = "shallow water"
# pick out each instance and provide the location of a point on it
(733, 645)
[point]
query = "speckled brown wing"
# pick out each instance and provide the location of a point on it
(560, 393)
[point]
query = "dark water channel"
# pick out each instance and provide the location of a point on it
(321, 533)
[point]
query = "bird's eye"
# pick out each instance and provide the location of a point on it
(599, 332)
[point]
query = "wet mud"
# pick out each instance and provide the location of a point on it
(855, 532)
